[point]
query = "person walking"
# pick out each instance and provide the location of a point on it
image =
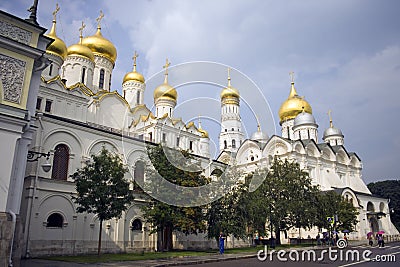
(221, 243)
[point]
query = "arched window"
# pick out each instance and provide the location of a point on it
(60, 162)
(83, 75)
(139, 172)
(370, 206)
(217, 172)
(50, 69)
(101, 79)
(138, 97)
(55, 220)
(233, 143)
(136, 225)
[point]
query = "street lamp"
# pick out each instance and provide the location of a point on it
(35, 156)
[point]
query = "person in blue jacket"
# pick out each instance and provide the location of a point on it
(221, 243)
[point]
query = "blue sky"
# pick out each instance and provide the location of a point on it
(345, 55)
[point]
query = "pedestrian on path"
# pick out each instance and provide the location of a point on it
(221, 243)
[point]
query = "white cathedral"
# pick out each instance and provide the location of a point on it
(77, 114)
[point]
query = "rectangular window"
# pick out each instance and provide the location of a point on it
(47, 107)
(38, 103)
(177, 141)
(191, 145)
(83, 75)
(164, 137)
(101, 79)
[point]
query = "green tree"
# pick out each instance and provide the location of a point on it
(329, 204)
(164, 217)
(229, 214)
(389, 189)
(285, 197)
(101, 188)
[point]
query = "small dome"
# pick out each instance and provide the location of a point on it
(293, 105)
(57, 47)
(304, 118)
(100, 46)
(80, 50)
(203, 132)
(133, 76)
(259, 136)
(229, 92)
(332, 131)
(165, 91)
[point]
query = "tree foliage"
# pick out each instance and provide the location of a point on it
(229, 214)
(164, 217)
(101, 188)
(389, 189)
(329, 204)
(286, 197)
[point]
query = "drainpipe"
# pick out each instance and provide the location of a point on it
(14, 220)
(31, 200)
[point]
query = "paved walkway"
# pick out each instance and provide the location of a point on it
(190, 260)
(187, 260)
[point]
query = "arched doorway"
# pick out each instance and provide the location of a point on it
(373, 224)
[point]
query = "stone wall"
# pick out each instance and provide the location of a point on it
(5, 238)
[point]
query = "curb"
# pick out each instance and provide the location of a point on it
(206, 260)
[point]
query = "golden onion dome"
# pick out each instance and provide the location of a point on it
(165, 91)
(80, 50)
(293, 106)
(229, 92)
(203, 132)
(57, 47)
(100, 46)
(133, 75)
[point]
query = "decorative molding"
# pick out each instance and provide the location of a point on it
(12, 73)
(15, 33)
(76, 58)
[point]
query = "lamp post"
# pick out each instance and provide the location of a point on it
(35, 156)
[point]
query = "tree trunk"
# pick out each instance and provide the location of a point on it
(99, 244)
(168, 238)
(278, 236)
(161, 248)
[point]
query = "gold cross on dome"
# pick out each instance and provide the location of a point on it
(55, 12)
(99, 18)
(166, 66)
(330, 118)
(135, 56)
(81, 29)
(291, 74)
(229, 76)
